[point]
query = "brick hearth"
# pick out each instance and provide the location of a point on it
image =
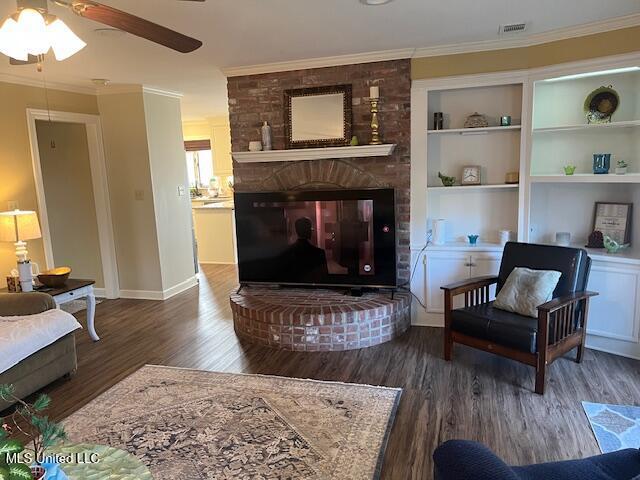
(318, 320)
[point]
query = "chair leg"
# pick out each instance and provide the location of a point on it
(448, 345)
(580, 353)
(540, 375)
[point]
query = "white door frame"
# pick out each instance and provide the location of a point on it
(100, 190)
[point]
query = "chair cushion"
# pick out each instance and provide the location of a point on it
(572, 263)
(499, 326)
(526, 289)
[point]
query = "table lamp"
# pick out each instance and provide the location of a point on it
(17, 227)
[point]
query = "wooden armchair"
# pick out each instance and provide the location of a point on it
(561, 324)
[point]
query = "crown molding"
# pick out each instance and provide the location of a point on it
(320, 62)
(162, 92)
(532, 40)
(135, 88)
(503, 43)
(34, 82)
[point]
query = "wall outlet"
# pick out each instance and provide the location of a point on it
(13, 205)
(181, 190)
(138, 194)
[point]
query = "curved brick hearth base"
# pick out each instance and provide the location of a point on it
(318, 320)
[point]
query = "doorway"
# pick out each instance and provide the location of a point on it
(70, 176)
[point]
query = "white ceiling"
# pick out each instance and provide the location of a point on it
(249, 32)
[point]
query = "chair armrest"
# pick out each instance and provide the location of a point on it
(560, 302)
(18, 304)
(469, 284)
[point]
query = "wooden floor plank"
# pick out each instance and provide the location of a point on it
(476, 396)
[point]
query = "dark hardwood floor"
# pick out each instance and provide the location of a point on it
(477, 396)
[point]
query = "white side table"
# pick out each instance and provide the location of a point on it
(76, 290)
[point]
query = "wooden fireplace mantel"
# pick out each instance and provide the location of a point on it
(314, 153)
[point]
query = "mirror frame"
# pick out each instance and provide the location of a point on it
(317, 91)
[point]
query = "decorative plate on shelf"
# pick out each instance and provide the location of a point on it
(601, 104)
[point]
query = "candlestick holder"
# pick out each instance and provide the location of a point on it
(375, 124)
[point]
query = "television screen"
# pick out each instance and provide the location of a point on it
(317, 238)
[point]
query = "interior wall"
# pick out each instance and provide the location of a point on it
(170, 192)
(71, 210)
(254, 99)
(604, 44)
(16, 171)
(131, 191)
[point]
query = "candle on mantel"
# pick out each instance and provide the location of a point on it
(374, 92)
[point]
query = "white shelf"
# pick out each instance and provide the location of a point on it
(474, 131)
(465, 246)
(298, 154)
(591, 127)
(457, 188)
(587, 178)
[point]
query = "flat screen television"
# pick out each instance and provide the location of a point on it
(324, 238)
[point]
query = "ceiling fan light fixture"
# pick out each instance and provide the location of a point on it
(63, 41)
(10, 45)
(33, 31)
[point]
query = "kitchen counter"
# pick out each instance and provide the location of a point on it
(215, 228)
(224, 205)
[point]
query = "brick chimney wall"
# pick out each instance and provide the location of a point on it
(254, 99)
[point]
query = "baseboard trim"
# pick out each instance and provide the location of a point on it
(100, 292)
(179, 288)
(141, 294)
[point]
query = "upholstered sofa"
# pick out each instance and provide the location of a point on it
(55, 360)
(466, 460)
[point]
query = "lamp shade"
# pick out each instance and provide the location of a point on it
(18, 225)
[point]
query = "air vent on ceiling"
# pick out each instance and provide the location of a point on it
(512, 28)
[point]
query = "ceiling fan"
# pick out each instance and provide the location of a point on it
(28, 34)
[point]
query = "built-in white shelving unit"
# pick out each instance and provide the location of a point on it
(492, 206)
(550, 131)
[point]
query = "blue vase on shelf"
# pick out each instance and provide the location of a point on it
(601, 163)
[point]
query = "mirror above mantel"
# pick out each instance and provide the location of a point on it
(318, 117)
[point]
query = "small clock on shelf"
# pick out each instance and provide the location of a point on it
(471, 175)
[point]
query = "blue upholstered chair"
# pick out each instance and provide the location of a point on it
(466, 460)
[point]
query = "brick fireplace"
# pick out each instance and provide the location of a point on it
(320, 320)
(254, 99)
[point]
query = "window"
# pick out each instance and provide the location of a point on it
(199, 162)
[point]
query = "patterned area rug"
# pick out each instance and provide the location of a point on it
(616, 427)
(203, 425)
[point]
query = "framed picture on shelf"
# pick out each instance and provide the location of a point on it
(471, 175)
(614, 220)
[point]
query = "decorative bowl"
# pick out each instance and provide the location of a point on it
(55, 278)
(476, 120)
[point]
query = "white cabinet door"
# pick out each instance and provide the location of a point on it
(613, 313)
(486, 263)
(444, 268)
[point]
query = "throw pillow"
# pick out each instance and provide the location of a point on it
(526, 289)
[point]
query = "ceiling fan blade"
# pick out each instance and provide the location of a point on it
(135, 25)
